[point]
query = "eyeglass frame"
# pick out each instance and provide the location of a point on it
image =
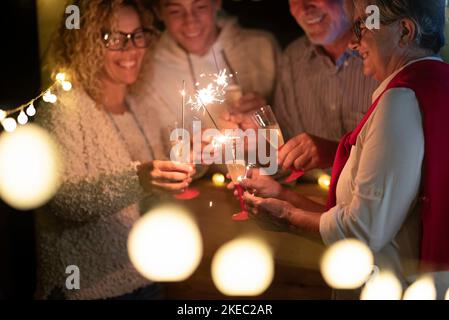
(357, 28)
(154, 33)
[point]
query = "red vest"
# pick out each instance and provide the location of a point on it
(429, 79)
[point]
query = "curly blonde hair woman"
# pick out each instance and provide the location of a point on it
(109, 143)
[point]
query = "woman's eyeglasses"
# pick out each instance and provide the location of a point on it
(358, 27)
(142, 38)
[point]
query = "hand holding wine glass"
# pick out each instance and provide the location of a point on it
(265, 119)
(180, 155)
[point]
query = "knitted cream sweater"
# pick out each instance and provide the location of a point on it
(88, 221)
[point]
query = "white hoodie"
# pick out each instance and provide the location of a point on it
(252, 54)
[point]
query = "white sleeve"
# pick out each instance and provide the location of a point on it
(388, 176)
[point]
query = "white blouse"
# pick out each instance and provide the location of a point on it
(379, 185)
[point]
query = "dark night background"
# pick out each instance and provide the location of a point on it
(20, 82)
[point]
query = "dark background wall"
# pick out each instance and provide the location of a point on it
(20, 81)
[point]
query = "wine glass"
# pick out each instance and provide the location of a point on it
(265, 119)
(233, 93)
(237, 169)
(178, 154)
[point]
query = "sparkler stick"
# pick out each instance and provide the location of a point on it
(210, 116)
(183, 94)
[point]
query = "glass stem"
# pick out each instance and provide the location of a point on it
(240, 193)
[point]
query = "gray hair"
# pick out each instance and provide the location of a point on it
(428, 16)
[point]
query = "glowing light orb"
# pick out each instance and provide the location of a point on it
(421, 289)
(9, 124)
(447, 295)
(22, 118)
(384, 286)
(31, 110)
(49, 97)
(29, 167)
(347, 264)
(324, 181)
(218, 180)
(66, 85)
(243, 267)
(3, 115)
(165, 244)
(60, 76)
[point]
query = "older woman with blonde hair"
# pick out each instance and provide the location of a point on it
(110, 150)
(389, 181)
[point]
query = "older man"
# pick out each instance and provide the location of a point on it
(321, 92)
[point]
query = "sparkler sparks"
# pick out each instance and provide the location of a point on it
(214, 92)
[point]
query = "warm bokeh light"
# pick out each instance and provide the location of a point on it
(383, 286)
(9, 124)
(60, 76)
(165, 244)
(31, 110)
(66, 85)
(421, 289)
(3, 115)
(324, 181)
(447, 295)
(22, 118)
(29, 167)
(243, 267)
(218, 180)
(49, 97)
(347, 264)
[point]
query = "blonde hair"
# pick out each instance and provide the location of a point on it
(80, 52)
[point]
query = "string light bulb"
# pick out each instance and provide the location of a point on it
(66, 85)
(60, 76)
(49, 97)
(324, 181)
(31, 111)
(9, 124)
(218, 180)
(22, 118)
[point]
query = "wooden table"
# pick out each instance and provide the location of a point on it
(297, 274)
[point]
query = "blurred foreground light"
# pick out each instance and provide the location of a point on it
(347, 264)
(9, 124)
(218, 180)
(243, 267)
(29, 167)
(447, 295)
(421, 289)
(165, 244)
(324, 181)
(383, 286)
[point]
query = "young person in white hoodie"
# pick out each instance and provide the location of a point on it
(197, 40)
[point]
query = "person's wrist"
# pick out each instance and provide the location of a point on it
(282, 194)
(287, 212)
